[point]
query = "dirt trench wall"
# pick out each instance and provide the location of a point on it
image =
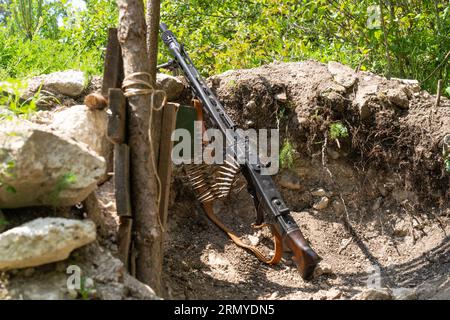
(395, 133)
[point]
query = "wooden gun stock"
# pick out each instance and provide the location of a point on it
(304, 256)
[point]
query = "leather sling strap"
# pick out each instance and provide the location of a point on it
(278, 250)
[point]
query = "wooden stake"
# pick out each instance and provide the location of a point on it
(438, 94)
(165, 158)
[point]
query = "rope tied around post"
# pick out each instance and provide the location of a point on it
(133, 85)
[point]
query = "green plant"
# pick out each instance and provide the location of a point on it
(3, 222)
(62, 184)
(7, 170)
(85, 291)
(10, 99)
(447, 164)
(28, 16)
(338, 130)
(287, 155)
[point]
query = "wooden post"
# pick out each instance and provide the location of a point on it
(165, 158)
(438, 93)
(147, 231)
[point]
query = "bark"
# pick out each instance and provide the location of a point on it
(147, 232)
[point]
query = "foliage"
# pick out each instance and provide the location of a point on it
(287, 155)
(10, 100)
(406, 39)
(447, 164)
(338, 130)
(231, 34)
(63, 183)
(85, 291)
(3, 222)
(28, 16)
(64, 39)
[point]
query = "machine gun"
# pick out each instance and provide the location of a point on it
(261, 187)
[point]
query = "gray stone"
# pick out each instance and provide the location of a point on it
(43, 241)
(398, 97)
(41, 167)
(86, 126)
(374, 294)
(319, 192)
(404, 294)
(343, 75)
(333, 294)
(322, 269)
(68, 83)
(366, 91)
(171, 85)
(281, 97)
(322, 203)
(445, 142)
(411, 84)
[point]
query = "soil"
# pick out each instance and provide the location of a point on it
(386, 186)
(375, 202)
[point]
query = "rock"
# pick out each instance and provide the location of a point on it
(290, 180)
(333, 294)
(95, 264)
(281, 97)
(411, 84)
(171, 85)
(69, 83)
(43, 241)
(251, 105)
(343, 75)
(366, 91)
(398, 97)
(322, 269)
(322, 203)
(42, 167)
(85, 125)
(445, 143)
(319, 192)
(373, 294)
(404, 294)
(254, 240)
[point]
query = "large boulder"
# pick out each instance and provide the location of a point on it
(43, 241)
(85, 125)
(39, 166)
(69, 83)
(171, 85)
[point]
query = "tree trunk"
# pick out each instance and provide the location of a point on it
(147, 232)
